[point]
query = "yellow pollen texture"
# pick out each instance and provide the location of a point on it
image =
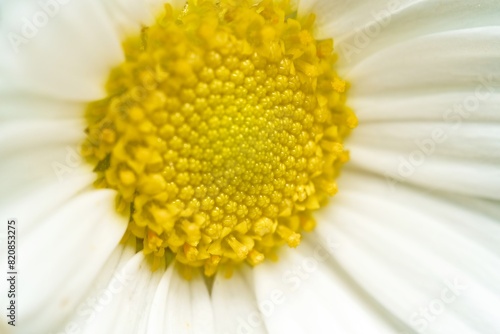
(222, 132)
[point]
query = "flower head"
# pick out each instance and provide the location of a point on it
(202, 104)
(222, 132)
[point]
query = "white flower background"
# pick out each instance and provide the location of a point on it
(411, 243)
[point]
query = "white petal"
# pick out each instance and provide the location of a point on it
(363, 28)
(188, 307)
(456, 72)
(124, 302)
(304, 293)
(457, 103)
(62, 255)
(469, 140)
(202, 316)
(147, 308)
(460, 159)
(39, 54)
(409, 251)
(66, 51)
(234, 304)
(52, 146)
(181, 306)
(16, 107)
(42, 167)
(97, 298)
(178, 310)
(447, 77)
(425, 79)
(157, 318)
(442, 105)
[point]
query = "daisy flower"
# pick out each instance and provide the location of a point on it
(158, 158)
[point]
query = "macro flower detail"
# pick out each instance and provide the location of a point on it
(222, 132)
(159, 158)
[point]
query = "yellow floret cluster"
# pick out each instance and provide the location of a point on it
(222, 132)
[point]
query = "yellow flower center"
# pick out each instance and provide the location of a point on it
(222, 132)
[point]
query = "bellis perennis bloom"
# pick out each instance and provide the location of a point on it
(312, 166)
